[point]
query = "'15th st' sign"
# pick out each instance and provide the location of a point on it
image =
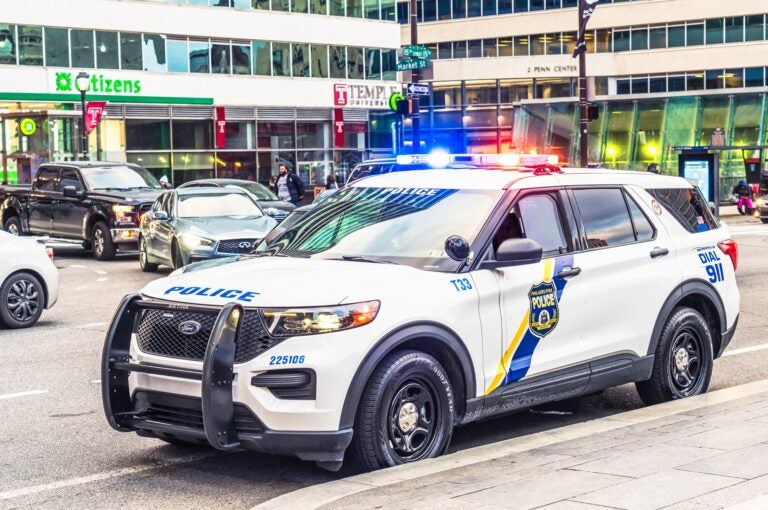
(363, 96)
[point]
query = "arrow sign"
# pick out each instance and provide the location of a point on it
(412, 64)
(419, 89)
(417, 51)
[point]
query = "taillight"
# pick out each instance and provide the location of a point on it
(49, 252)
(731, 249)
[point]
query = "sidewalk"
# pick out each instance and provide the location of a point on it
(703, 453)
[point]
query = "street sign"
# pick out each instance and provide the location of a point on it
(412, 64)
(417, 51)
(419, 89)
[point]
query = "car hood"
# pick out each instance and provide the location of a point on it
(282, 282)
(226, 228)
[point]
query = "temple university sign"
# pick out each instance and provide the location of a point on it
(363, 96)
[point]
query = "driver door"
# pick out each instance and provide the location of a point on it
(539, 325)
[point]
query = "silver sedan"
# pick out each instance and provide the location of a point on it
(191, 224)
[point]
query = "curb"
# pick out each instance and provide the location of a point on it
(317, 496)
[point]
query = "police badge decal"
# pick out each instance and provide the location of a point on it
(544, 311)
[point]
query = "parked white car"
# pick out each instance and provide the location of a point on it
(30, 281)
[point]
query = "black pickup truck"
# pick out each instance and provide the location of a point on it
(95, 202)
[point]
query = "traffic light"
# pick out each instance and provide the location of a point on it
(404, 106)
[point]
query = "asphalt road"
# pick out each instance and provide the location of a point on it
(57, 451)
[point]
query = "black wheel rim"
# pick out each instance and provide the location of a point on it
(685, 362)
(412, 420)
(23, 300)
(98, 241)
(13, 229)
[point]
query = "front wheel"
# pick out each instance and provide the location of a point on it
(22, 300)
(13, 226)
(405, 414)
(682, 365)
(101, 239)
(176, 256)
(144, 262)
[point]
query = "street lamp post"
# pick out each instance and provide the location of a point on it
(81, 82)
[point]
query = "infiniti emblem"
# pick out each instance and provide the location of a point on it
(189, 327)
(244, 245)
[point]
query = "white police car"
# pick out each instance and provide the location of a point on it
(412, 302)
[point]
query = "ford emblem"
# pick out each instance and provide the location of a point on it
(189, 327)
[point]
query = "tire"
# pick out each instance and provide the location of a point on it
(176, 256)
(682, 365)
(405, 414)
(13, 226)
(144, 263)
(101, 239)
(22, 300)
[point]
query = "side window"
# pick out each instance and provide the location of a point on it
(46, 179)
(158, 204)
(69, 177)
(534, 217)
(644, 231)
(687, 206)
(168, 204)
(605, 217)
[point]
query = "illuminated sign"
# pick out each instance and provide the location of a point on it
(27, 126)
(63, 81)
(363, 96)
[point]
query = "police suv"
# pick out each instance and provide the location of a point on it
(413, 302)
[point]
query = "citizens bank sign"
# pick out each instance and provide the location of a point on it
(363, 96)
(100, 83)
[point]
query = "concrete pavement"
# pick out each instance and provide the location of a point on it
(703, 453)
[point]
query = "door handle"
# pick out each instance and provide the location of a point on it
(659, 252)
(569, 272)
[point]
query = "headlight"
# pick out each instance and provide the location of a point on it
(124, 213)
(193, 241)
(271, 211)
(310, 321)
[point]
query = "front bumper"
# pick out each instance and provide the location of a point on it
(214, 418)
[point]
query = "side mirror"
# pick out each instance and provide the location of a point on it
(70, 192)
(457, 248)
(160, 216)
(274, 234)
(515, 252)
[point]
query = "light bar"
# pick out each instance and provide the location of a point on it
(441, 159)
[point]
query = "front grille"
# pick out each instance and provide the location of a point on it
(158, 333)
(237, 245)
(185, 411)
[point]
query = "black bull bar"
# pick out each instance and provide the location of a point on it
(217, 376)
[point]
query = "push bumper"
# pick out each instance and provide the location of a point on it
(214, 418)
(726, 337)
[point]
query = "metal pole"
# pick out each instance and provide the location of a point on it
(83, 129)
(583, 121)
(4, 153)
(415, 77)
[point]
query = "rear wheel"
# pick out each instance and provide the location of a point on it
(682, 365)
(103, 247)
(13, 225)
(178, 258)
(144, 263)
(22, 300)
(405, 414)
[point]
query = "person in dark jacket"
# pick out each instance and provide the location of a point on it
(288, 186)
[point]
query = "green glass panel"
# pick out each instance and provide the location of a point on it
(679, 126)
(648, 133)
(616, 154)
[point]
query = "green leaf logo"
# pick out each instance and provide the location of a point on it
(63, 82)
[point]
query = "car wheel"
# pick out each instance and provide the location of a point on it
(682, 365)
(405, 414)
(22, 300)
(13, 225)
(101, 239)
(178, 258)
(144, 263)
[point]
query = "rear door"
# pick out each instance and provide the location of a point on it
(69, 212)
(627, 270)
(40, 201)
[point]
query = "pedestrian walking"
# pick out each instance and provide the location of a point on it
(330, 182)
(164, 182)
(288, 186)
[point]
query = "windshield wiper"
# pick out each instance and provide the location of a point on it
(112, 189)
(358, 258)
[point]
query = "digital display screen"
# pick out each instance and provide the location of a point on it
(698, 171)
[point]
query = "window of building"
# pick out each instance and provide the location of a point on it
(475, 48)
(513, 91)
(338, 61)
(657, 37)
(489, 47)
(236, 165)
(130, 51)
(481, 92)
(199, 56)
(355, 63)
(621, 40)
(640, 85)
(262, 58)
(676, 83)
(276, 135)
(656, 85)
(372, 9)
(239, 134)
(372, 63)
(521, 5)
(153, 53)
(505, 6)
(734, 29)
(460, 49)
(30, 41)
(337, 7)
(538, 46)
(190, 166)
(605, 217)
(7, 44)
(301, 59)
(389, 64)
(755, 28)
(713, 79)
(177, 52)
(536, 5)
(319, 68)
(141, 134)
(715, 31)
(221, 58)
(676, 36)
(318, 7)
(753, 77)
(639, 39)
(489, 7)
(355, 8)
(241, 58)
(694, 81)
(603, 41)
(81, 48)
(281, 5)
(694, 34)
(505, 47)
(522, 45)
(260, 4)
(444, 50)
(299, 6)
(56, 47)
(312, 135)
(734, 78)
(553, 44)
(193, 134)
(281, 59)
(107, 50)
(460, 8)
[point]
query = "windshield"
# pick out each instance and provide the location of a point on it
(212, 205)
(260, 191)
(121, 178)
(399, 225)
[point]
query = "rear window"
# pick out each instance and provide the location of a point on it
(687, 206)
